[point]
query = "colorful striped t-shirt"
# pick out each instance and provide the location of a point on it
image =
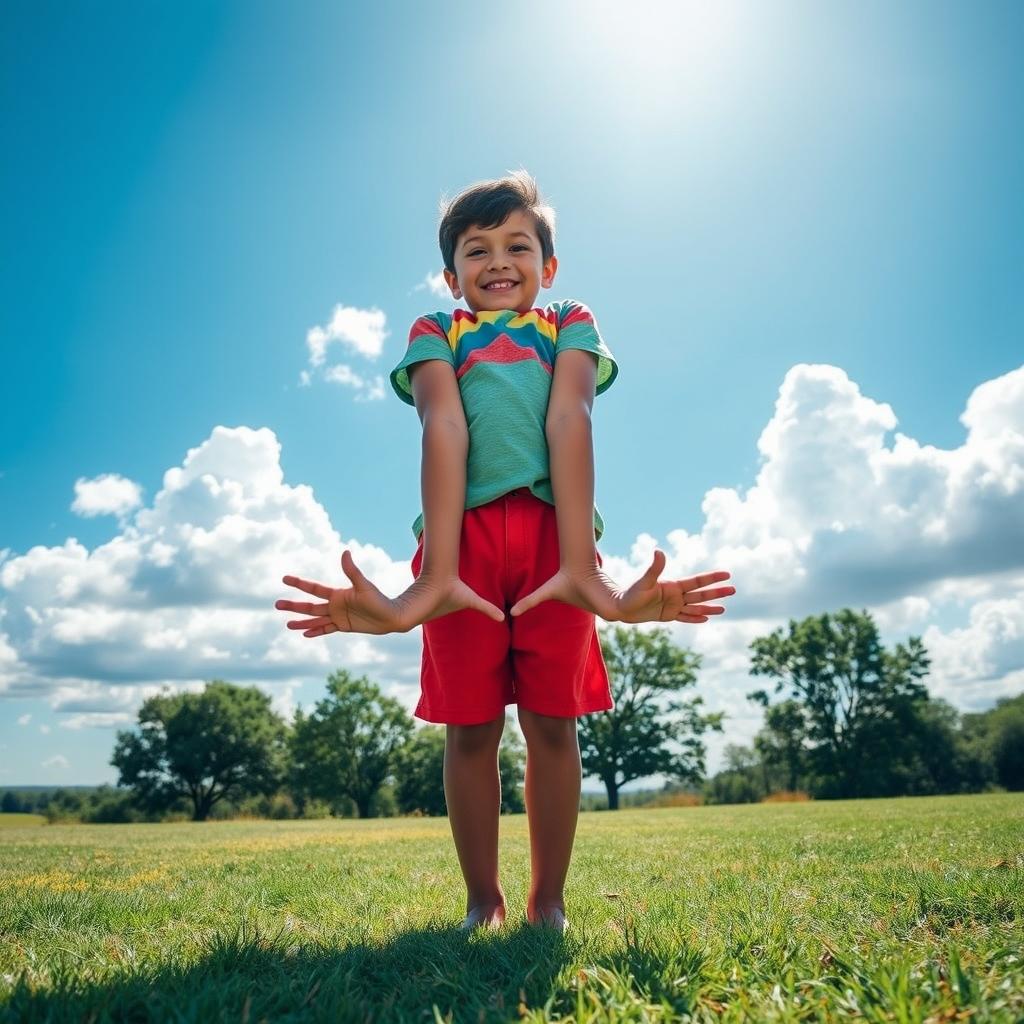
(504, 361)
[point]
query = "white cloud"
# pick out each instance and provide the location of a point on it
(973, 664)
(361, 331)
(835, 517)
(57, 761)
(366, 390)
(185, 592)
(91, 698)
(436, 285)
(44, 729)
(108, 494)
(98, 720)
(24, 719)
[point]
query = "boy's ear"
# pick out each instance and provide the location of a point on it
(547, 274)
(453, 283)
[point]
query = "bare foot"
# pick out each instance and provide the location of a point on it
(486, 916)
(549, 917)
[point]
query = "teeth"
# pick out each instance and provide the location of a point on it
(499, 287)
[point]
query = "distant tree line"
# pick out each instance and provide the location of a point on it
(856, 721)
(852, 720)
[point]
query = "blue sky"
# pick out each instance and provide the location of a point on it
(798, 225)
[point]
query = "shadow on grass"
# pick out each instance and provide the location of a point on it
(436, 973)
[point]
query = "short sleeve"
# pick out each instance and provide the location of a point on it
(427, 340)
(577, 328)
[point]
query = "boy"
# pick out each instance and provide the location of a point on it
(504, 393)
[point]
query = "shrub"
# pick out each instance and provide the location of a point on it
(677, 800)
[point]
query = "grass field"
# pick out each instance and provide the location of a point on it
(21, 820)
(883, 910)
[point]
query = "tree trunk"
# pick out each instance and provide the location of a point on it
(201, 807)
(613, 795)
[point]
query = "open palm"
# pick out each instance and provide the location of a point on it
(647, 600)
(363, 608)
(652, 600)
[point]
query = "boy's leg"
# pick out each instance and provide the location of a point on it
(553, 782)
(472, 790)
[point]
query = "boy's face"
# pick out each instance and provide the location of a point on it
(508, 252)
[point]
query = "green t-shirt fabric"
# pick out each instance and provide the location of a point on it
(504, 363)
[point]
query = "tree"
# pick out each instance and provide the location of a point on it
(420, 772)
(203, 747)
(780, 744)
(935, 757)
(10, 803)
(631, 741)
(348, 747)
(997, 736)
(740, 781)
(858, 698)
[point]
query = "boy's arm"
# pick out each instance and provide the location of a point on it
(571, 455)
(435, 391)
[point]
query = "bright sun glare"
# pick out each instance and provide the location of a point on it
(658, 55)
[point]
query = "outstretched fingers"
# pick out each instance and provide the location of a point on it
(307, 623)
(695, 596)
(320, 629)
(309, 586)
(693, 609)
(704, 578)
(306, 607)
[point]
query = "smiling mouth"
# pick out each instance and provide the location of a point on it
(501, 286)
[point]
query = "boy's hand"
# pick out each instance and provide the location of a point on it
(362, 608)
(647, 600)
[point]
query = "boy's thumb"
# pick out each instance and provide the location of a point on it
(657, 566)
(481, 604)
(526, 603)
(349, 567)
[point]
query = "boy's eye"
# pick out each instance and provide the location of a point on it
(519, 246)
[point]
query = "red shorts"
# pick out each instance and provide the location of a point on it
(546, 660)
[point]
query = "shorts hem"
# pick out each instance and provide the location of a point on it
(580, 709)
(460, 717)
(463, 717)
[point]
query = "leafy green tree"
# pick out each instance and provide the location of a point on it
(935, 757)
(780, 745)
(348, 747)
(203, 747)
(65, 805)
(741, 779)
(1008, 753)
(10, 803)
(858, 698)
(420, 772)
(996, 736)
(632, 740)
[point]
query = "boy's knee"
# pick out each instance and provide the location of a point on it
(551, 730)
(469, 739)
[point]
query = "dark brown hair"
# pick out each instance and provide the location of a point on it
(488, 204)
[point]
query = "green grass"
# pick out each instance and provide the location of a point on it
(904, 910)
(13, 820)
